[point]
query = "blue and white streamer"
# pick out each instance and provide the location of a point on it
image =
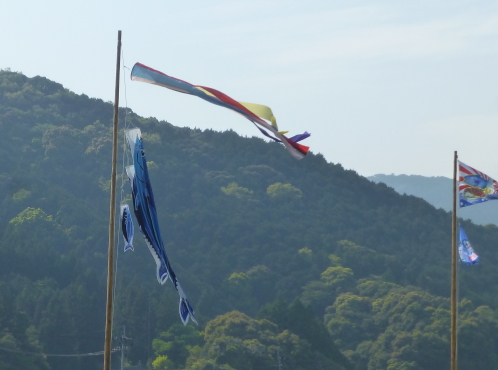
(146, 214)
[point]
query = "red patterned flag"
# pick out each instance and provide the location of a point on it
(475, 186)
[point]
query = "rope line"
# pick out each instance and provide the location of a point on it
(125, 90)
(125, 159)
(117, 234)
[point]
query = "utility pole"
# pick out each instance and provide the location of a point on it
(124, 340)
(279, 360)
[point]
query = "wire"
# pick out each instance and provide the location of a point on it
(58, 336)
(57, 355)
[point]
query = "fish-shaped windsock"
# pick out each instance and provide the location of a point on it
(127, 227)
(145, 211)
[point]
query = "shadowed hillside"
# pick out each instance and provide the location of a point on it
(262, 244)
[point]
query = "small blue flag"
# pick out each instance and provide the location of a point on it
(467, 254)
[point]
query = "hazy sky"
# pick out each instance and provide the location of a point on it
(383, 86)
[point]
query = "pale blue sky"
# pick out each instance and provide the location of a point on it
(383, 86)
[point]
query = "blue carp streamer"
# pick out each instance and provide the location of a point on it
(127, 227)
(146, 214)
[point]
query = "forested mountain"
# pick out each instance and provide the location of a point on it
(298, 264)
(438, 192)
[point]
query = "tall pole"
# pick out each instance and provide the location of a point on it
(453, 270)
(112, 216)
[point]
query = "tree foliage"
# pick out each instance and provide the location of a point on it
(243, 223)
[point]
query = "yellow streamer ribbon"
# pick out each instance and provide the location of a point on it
(262, 111)
(205, 91)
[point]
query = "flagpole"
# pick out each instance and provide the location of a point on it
(453, 270)
(112, 216)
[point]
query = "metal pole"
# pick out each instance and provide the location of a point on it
(453, 270)
(112, 216)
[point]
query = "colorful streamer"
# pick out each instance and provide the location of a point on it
(256, 113)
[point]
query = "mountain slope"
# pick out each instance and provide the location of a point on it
(243, 223)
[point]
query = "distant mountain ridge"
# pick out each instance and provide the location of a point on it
(437, 191)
